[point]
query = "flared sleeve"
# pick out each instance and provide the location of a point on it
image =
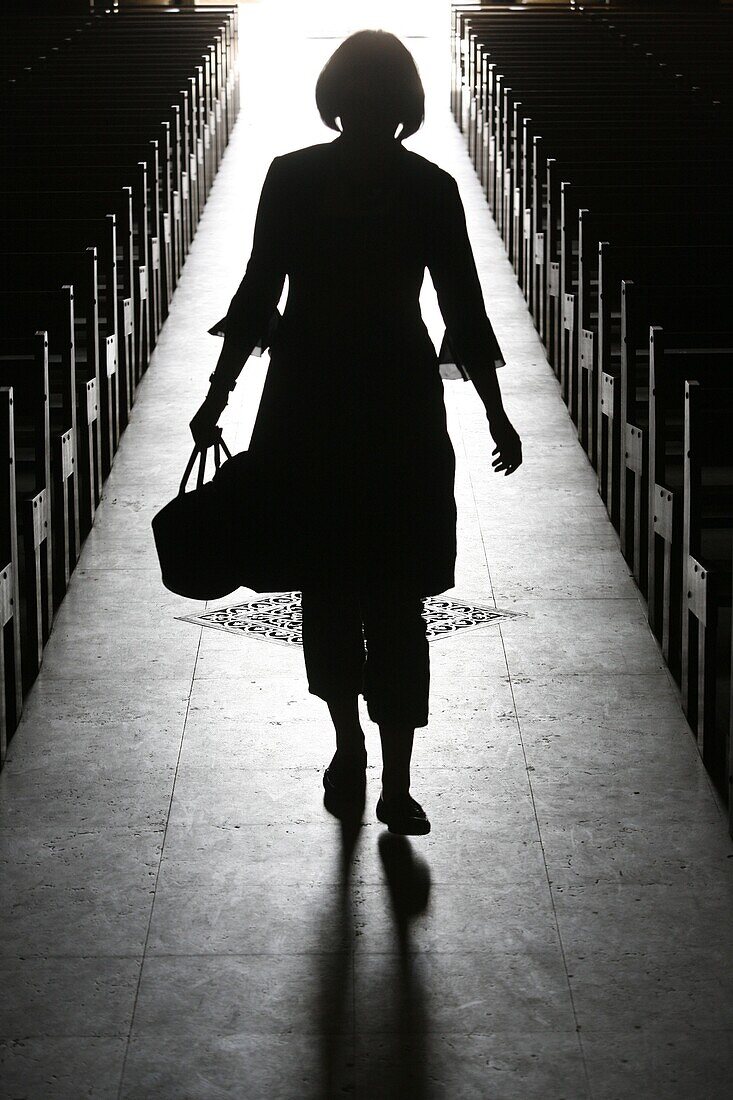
(470, 342)
(252, 314)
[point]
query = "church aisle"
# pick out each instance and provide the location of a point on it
(182, 918)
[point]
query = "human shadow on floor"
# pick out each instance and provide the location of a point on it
(398, 1067)
(403, 1067)
(335, 980)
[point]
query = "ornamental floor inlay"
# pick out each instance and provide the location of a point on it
(275, 617)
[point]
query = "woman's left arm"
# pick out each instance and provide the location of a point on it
(252, 306)
(453, 271)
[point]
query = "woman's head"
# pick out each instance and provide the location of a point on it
(372, 86)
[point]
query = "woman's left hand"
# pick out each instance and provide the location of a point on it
(508, 445)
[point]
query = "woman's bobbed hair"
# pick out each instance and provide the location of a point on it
(374, 75)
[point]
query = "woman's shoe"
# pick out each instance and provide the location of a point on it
(344, 787)
(404, 816)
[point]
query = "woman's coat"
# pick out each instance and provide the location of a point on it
(351, 426)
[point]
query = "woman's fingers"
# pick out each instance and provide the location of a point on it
(507, 463)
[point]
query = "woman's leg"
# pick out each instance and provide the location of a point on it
(396, 757)
(397, 681)
(333, 649)
(350, 747)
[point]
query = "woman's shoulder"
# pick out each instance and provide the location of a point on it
(427, 171)
(303, 179)
(297, 173)
(312, 156)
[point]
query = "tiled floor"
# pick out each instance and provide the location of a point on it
(180, 916)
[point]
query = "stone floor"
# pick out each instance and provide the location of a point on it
(180, 916)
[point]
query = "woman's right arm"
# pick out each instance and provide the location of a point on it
(253, 304)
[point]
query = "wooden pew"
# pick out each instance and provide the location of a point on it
(541, 174)
(22, 314)
(624, 241)
(132, 244)
(528, 79)
(612, 166)
(472, 26)
(658, 302)
(45, 165)
(11, 688)
(616, 122)
(614, 223)
(76, 107)
(707, 559)
(196, 59)
(675, 357)
(115, 307)
(634, 199)
(75, 122)
(607, 111)
(49, 271)
(554, 162)
(24, 368)
(114, 125)
(105, 176)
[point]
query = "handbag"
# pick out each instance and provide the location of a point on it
(228, 533)
(198, 534)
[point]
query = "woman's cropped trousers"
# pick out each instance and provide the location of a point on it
(368, 640)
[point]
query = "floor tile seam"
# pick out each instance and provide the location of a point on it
(561, 599)
(637, 595)
(609, 674)
(724, 811)
(343, 952)
(66, 835)
(356, 958)
(670, 1032)
(157, 874)
(78, 956)
(371, 769)
(419, 1033)
(474, 185)
(524, 753)
(367, 883)
(350, 886)
(547, 371)
(720, 806)
(550, 893)
(267, 822)
(717, 798)
(477, 513)
(446, 1032)
(506, 660)
(6, 1037)
(565, 599)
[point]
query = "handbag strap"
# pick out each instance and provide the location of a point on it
(200, 452)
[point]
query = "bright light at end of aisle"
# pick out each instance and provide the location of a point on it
(338, 18)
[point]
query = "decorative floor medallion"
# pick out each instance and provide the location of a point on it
(276, 617)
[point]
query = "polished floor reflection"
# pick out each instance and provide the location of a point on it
(181, 917)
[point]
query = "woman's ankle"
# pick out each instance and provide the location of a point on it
(350, 742)
(350, 757)
(396, 759)
(394, 792)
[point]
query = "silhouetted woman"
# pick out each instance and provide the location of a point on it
(352, 423)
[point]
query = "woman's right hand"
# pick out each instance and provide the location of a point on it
(203, 426)
(508, 445)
